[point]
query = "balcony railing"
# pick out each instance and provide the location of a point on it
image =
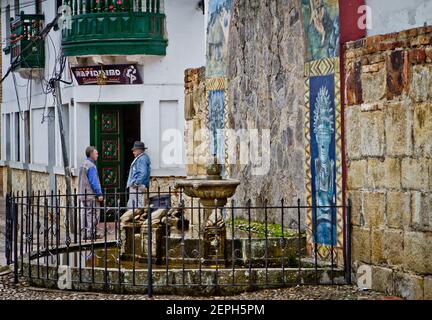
(26, 47)
(105, 27)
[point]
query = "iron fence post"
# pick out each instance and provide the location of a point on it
(149, 249)
(348, 243)
(15, 237)
(8, 231)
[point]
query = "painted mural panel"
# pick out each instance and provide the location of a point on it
(219, 16)
(216, 117)
(323, 159)
(321, 23)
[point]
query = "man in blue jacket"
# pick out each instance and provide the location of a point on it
(90, 192)
(139, 176)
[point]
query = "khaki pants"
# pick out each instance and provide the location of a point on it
(90, 215)
(137, 197)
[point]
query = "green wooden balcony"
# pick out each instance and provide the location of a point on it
(115, 27)
(26, 48)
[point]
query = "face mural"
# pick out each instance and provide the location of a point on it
(219, 15)
(323, 127)
(323, 162)
(322, 28)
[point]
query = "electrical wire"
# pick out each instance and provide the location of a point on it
(41, 35)
(17, 97)
(22, 5)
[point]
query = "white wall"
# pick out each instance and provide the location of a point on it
(396, 15)
(39, 144)
(163, 81)
(186, 44)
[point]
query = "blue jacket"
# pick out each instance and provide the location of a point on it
(93, 178)
(88, 181)
(139, 173)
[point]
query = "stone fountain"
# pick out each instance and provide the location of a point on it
(213, 192)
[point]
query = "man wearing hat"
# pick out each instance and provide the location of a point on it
(139, 176)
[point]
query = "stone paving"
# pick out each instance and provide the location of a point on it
(9, 291)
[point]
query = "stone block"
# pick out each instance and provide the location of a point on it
(374, 208)
(397, 74)
(421, 83)
(377, 256)
(376, 58)
(415, 174)
(352, 133)
(428, 288)
(374, 86)
(387, 247)
(372, 133)
(392, 247)
(354, 91)
(398, 209)
(424, 39)
(382, 280)
(357, 217)
(417, 56)
(421, 218)
(423, 130)
(384, 174)
(357, 174)
(408, 286)
(417, 254)
(361, 244)
(398, 130)
(429, 55)
(371, 68)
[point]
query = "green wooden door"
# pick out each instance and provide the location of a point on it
(107, 136)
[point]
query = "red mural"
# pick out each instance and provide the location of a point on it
(351, 16)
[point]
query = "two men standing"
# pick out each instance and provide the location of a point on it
(90, 191)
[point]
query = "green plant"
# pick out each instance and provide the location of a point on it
(259, 229)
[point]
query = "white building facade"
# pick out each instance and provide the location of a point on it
(151, 111)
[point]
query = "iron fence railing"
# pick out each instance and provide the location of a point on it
(167, 245)
(114, 6)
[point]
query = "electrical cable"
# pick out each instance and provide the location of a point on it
(17, 96)
(41, 35)
(21, 5)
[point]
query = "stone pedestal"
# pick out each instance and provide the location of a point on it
(129, 235)
(157, 242)
(214, 246)
(213, 192)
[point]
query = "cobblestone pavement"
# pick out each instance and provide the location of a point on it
(8, 291)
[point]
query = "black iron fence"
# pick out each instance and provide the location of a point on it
(171, 244)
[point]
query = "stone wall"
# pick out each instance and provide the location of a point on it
(266, 91)
(388, 120)
(196, 115)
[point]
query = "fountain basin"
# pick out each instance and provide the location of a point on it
(210, 192)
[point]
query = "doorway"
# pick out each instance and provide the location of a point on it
(114, 128)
